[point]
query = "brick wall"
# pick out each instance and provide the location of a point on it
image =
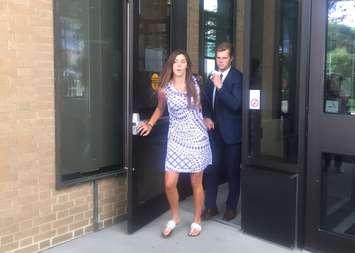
(33, 215)
(193, 30)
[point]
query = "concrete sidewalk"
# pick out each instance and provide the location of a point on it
(215, 237)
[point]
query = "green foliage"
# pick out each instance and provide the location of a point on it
(340, 36)
(340, 55)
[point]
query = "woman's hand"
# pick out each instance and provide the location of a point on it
(144, 128)
(208, 123)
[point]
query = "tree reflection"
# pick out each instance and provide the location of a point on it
(341, 55)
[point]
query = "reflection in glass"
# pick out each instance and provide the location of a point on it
(209, 65)
(88, 70)
(217, 27)
(338, 193)
(339, 83)
(273, 70)
(152, 49)
(210, 5)
(210, 47)
(210, 34)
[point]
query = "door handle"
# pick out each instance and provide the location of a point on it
(126, 169)
(135, 121)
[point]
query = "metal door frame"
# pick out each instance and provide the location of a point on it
(303, 71)
(316, 238)
(178, 39)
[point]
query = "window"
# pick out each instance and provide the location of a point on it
(89, 107)
(339, 86)
(337, 193)
(152, 39)
(274, 55)
(217, 25)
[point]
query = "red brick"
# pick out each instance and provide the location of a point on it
(6, 239)
(44, 244)
(44, 236)
(9, 247)
(62, 238)
(25, 242)
(30, 249)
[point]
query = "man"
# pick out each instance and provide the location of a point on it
(222, 111)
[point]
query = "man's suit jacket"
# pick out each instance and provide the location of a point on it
(227, 112)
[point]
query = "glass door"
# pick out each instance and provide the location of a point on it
(272, 121)
(330, 211)
(273, 70)
(149, 41)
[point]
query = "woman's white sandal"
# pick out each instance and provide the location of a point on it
(195, 227)
(170, 226)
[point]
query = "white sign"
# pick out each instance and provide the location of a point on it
(284, 106)
(254, 99)
(332, 106)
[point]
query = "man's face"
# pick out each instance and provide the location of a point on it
(223, 60)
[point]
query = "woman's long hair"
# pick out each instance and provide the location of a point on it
(167, 75)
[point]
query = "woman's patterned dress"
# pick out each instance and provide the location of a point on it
(188, 144)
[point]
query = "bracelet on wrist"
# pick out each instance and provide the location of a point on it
(151, 126)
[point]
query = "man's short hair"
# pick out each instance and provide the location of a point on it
(225, 46)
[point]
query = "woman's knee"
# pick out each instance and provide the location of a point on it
(196, 180)
(170, 181)
(170, 184)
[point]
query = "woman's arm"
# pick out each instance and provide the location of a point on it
(144, 128)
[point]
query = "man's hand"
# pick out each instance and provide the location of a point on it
(216, 80)
(208, 123)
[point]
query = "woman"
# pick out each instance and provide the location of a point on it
(188, 149)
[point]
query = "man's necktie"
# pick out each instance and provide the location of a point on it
(214, 92)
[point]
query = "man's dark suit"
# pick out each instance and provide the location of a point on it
(225, 138)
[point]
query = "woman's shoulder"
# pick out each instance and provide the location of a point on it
(161, 93)
(166, 87)
(161, 89)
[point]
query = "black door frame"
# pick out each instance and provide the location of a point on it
(178, 39)
(128, 90)
(302, 89)
(249, 162)
(337, 142)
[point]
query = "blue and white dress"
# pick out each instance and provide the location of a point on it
(188, 143)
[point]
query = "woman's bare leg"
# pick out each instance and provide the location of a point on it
(198, 195)
(171, 179)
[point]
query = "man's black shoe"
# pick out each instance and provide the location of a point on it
(209, 213)
(229, 214)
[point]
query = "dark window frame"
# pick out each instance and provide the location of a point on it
(203, 40)
(79, 177)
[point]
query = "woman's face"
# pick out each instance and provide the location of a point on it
(180, 65)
